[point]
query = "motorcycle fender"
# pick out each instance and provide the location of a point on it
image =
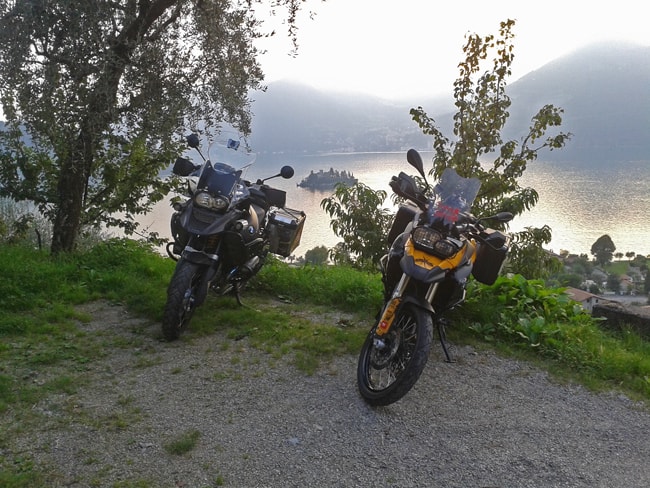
(420, 302)
(422, 268)
(206, 278)
(426, 268)
(198, 257)
(205, 274)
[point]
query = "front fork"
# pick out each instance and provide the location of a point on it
(390, 309)
(388, 313)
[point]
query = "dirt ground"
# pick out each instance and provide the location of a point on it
(483, 421)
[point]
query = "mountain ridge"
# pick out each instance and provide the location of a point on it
(602, 88)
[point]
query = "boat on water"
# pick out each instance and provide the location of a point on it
(327, 180)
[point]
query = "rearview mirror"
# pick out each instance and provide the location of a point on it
(415, 160)
(286, 172)
(192, 141)
(183, 167)
(504, 216)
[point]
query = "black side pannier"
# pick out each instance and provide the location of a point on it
(276, 198)
(285, 230)
(490, 257)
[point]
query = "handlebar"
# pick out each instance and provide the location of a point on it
(405, 187)
(478, 231)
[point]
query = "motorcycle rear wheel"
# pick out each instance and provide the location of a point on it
(181, 296)
(385, 375)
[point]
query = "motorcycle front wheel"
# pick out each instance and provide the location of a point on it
(389, 368)
(181, 299)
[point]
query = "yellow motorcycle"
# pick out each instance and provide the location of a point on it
(435, 245)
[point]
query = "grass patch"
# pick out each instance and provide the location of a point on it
(22, 473)
(338, 286)
(183, 444)
(308, 314)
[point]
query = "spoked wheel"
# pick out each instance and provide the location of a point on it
(390, 365)
(181, 299)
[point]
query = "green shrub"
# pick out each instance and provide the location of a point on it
(525, 314)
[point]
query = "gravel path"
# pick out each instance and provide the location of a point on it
(483, 421)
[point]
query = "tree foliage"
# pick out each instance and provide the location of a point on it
(482, 111)
(317, 256)
(359, 218)
(614, 282)
(101, 88)
(527, 256)
(603, 249)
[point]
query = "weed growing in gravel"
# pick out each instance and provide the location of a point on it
(183, 444)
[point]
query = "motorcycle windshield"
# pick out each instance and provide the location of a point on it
(454, 196)
(219, 175)
(218, 179)
(232, 152)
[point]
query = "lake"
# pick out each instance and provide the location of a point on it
(580, 203)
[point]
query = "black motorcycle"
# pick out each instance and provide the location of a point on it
(223, 232)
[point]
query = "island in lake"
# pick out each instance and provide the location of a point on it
(327, 180)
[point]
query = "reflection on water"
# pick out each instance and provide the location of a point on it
(579, 203)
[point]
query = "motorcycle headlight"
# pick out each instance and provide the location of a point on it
(445, 249)
(433, 242)
(425, 238)
(205, 200)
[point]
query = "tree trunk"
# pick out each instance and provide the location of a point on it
(67, 221)
(73, 178)
(77, 165)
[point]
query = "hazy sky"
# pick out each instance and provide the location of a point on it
(399, 48)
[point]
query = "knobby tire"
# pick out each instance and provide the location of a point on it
(176, 317)
(385, 379)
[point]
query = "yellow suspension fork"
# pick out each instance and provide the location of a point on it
(388, 315)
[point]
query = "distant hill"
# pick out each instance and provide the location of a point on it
(605, 93)
(603, 89)
(294, 118)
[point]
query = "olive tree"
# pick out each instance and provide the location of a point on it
(103, 90)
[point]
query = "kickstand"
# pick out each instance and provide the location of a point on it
(442, 335)
(237, 294)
